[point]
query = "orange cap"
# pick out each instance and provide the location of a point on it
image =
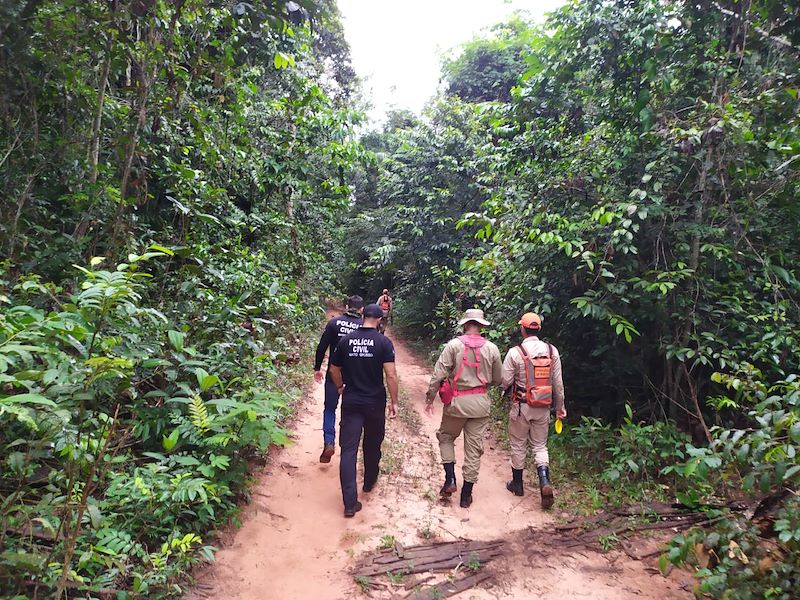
(531, 321)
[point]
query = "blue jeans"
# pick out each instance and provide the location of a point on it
(329, 413)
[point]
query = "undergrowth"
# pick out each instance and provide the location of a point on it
(130, 434)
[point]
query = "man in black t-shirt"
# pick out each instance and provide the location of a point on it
(357, 368)
(335, 330)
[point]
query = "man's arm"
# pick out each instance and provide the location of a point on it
(509, 370)
(390, 370)
(558, 386)
(325, 342)
(442, 369)
(335, 367)
(497, 367)
(336, 376)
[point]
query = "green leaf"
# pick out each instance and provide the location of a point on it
(27, 399)
(664, 564)
(205, 380)
(177, 339)
(169, 442)
(283, 61)
(161, 249)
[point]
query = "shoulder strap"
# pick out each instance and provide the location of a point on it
(465, 362)
(526, 361)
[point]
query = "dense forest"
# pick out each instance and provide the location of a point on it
(628, 170)
(183, 183)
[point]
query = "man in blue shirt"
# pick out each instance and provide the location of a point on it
(358, 365)
(335, 330)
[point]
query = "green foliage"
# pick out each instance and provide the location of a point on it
(632, 451)
(638, 189)
(736, 556)
(166, 171)
(486, 69)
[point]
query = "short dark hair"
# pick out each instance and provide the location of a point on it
(355, 302)
(373, 311)
(532, 331)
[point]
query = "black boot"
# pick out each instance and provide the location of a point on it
(545, 487)
(515, 485)
(466, 494)
(449, 480)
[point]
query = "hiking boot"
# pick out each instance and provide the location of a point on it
(449, 486)
(545, 487)
(369, 486)
(327, 452)
(350, 512)
(515, 485)
(466, 494)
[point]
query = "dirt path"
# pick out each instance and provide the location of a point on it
(295, 543)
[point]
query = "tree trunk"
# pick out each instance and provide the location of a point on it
(94, 148)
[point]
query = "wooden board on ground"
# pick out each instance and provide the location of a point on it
(429, 557)
(446, 589)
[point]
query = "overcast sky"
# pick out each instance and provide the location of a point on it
(397, 45)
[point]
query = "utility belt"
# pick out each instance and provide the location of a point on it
(470, 391)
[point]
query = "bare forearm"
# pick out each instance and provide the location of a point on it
(336, 376)
(392, 384)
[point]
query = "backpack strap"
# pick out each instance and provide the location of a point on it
(466, 362)
(526, 361)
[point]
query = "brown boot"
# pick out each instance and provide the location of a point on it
(545, 487)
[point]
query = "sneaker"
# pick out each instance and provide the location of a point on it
(327, 452)
(350, 512)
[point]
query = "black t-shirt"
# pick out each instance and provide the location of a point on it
(361, 356)
(335, 330)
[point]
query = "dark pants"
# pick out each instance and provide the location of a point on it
(329, 413)
(355, 419)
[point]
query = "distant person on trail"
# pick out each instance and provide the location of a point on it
(385, 302)
(358, 365)
(335, 330)
(467, 366)
(533, 371)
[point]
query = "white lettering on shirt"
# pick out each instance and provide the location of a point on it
(361, 347)
(346, 327)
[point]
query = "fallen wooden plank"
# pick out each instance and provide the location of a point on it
(428, 552)
(409, 566)
(449, 588)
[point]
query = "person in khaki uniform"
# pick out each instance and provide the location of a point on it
(530, 424)
(471, 364)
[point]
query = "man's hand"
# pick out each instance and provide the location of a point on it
(318, 376)
(561, 414)
(429, 409)
(392, 409)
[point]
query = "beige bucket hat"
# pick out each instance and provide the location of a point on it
(473, 314)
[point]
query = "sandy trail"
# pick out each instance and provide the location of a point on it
(295, 543)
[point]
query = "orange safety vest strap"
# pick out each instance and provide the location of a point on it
(476, 348)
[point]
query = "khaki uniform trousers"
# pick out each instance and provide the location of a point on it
(474, 429)
(528, 425)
